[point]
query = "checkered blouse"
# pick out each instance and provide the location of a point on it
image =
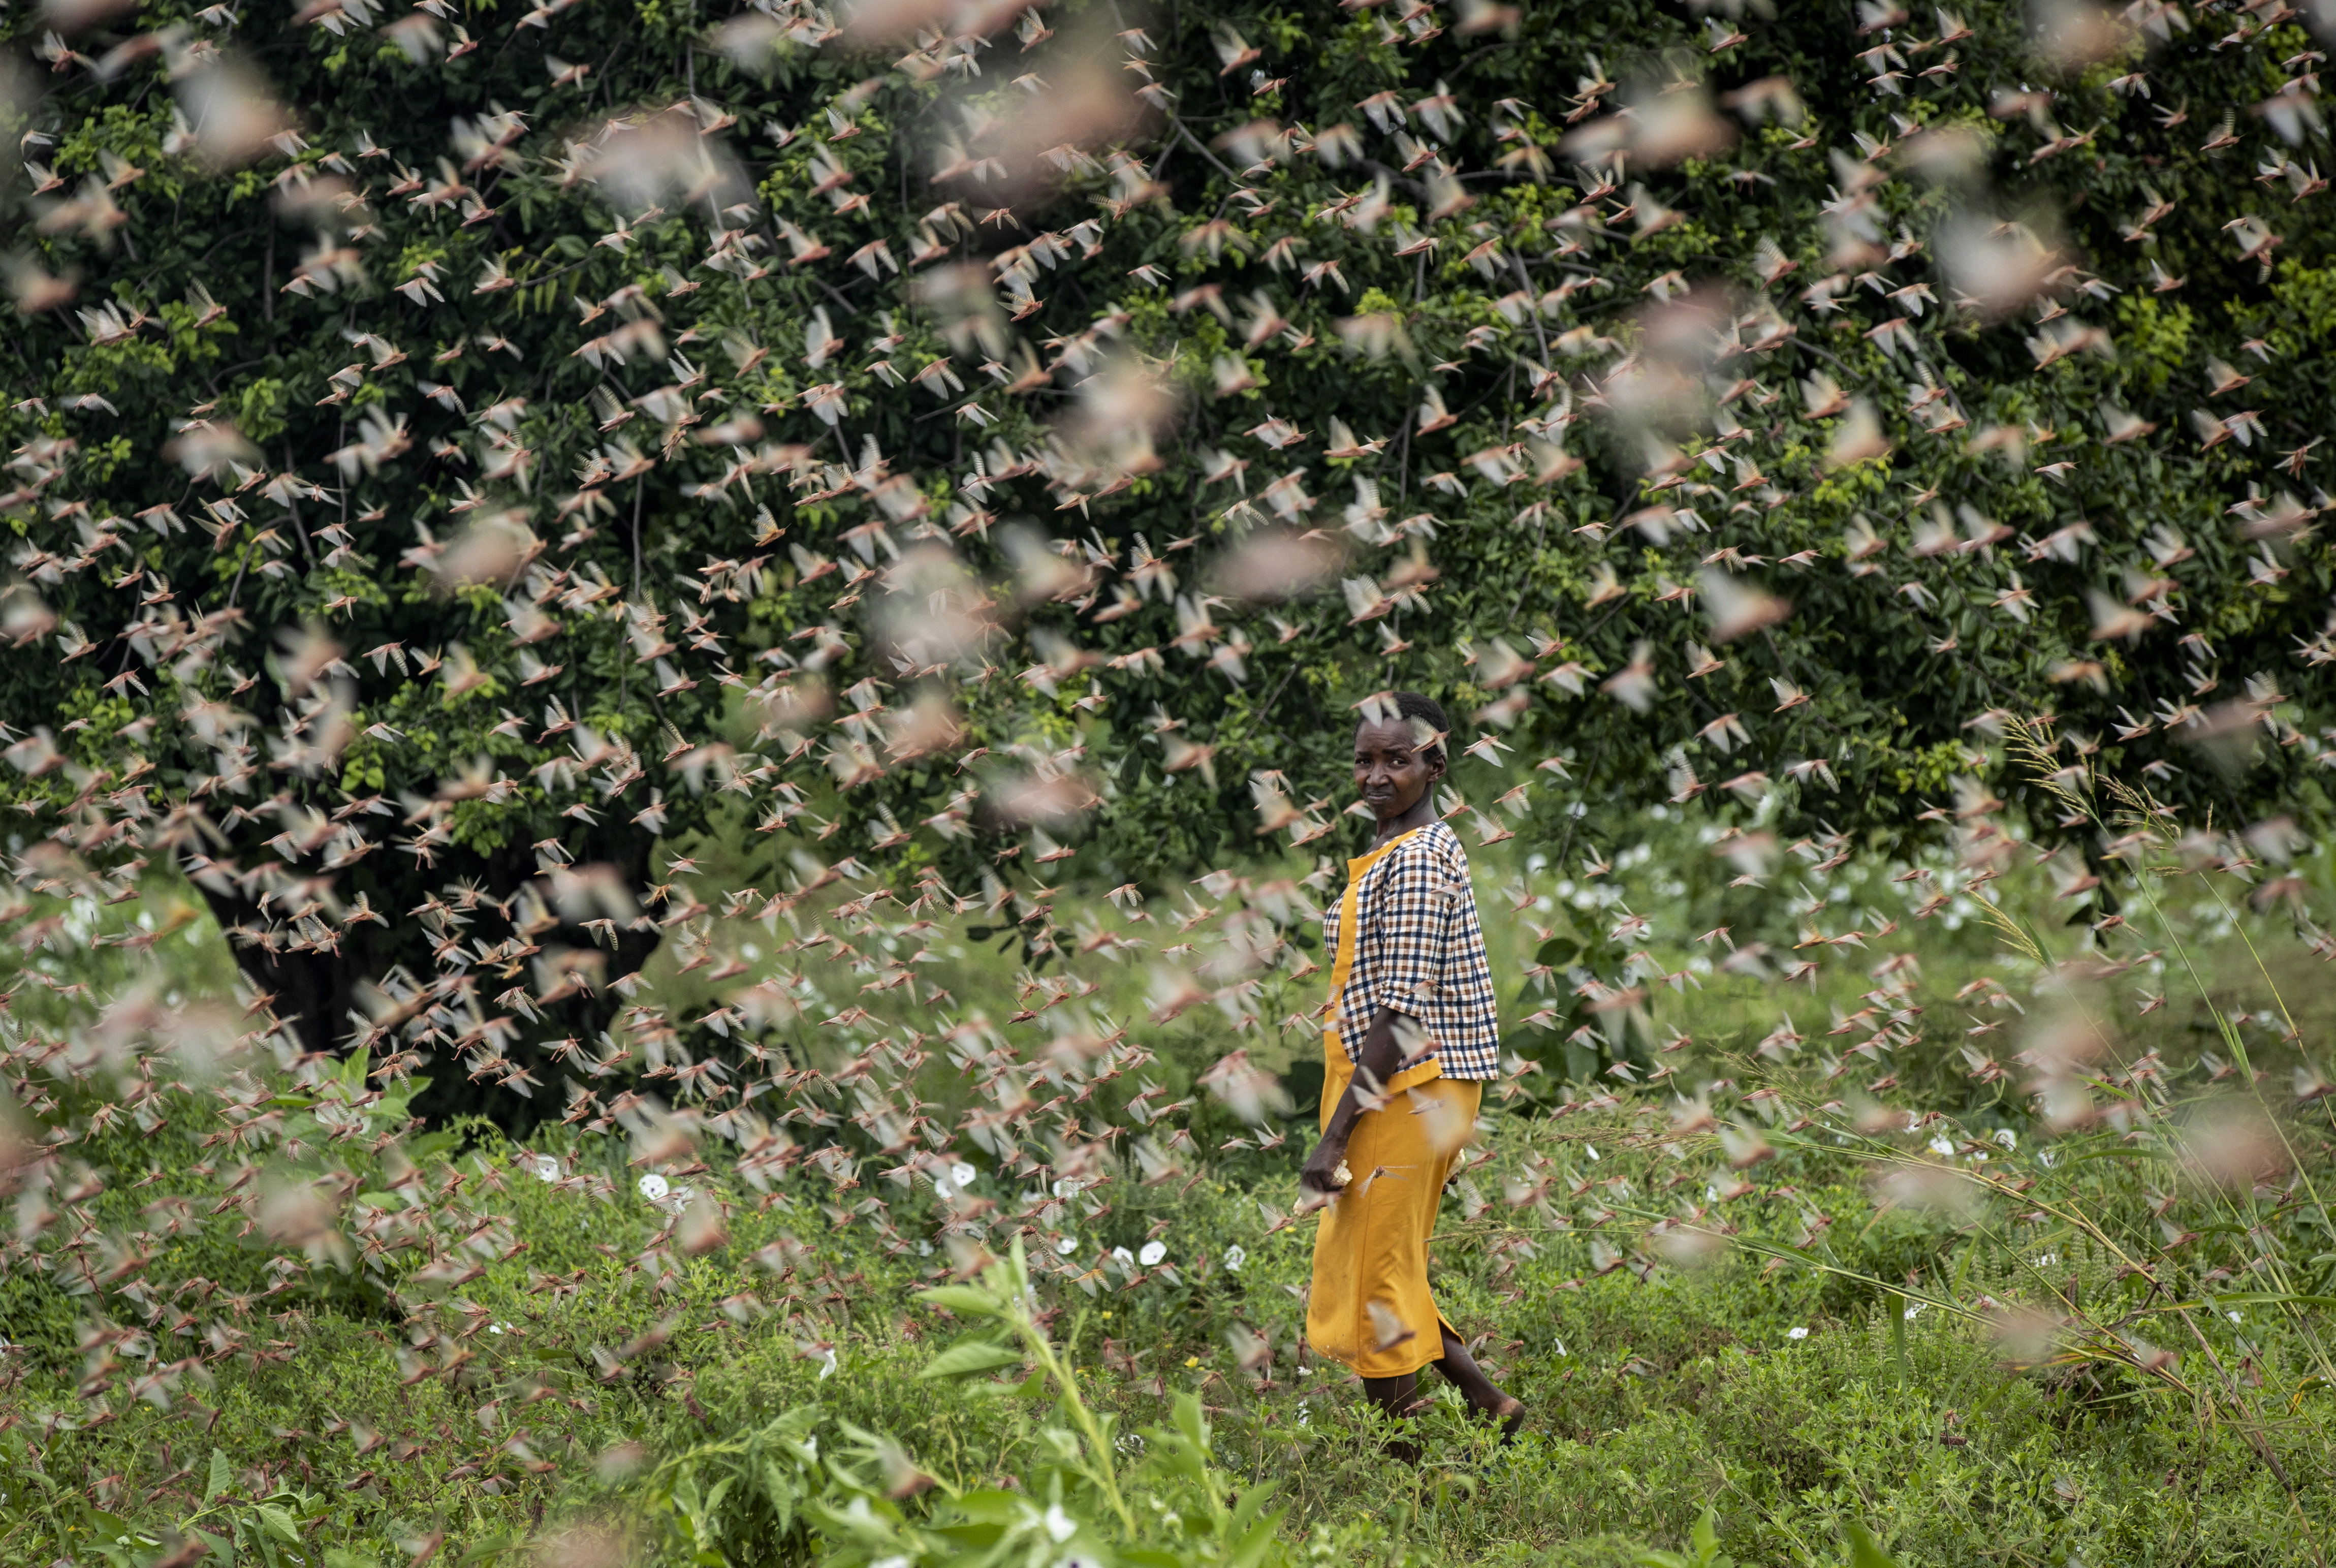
(1420, 950)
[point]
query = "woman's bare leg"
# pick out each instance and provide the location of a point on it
(1397, 1399)
(1484, 1396)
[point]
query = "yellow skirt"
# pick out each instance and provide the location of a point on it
(1370, 1248)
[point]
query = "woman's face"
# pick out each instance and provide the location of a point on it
(1393, 767)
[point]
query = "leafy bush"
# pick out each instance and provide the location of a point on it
(1729, 349)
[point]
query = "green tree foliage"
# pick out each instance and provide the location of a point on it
(449, 450)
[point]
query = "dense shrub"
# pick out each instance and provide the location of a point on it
(601, 412)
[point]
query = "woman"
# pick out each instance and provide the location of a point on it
(1411, 1037)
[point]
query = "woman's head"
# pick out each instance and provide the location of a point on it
(1399, 752)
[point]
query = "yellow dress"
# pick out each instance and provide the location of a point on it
(1370, 1248)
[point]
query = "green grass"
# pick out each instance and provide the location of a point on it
(2110, 1358)
(1651, 1399)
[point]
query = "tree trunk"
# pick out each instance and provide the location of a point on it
(319, 992)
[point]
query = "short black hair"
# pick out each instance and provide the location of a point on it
(1413, 704)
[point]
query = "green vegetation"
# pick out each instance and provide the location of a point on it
(673, 719)
(1886, 1278)
(431, 438)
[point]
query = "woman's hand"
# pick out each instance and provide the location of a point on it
(1374, 1063)
(1321, 1173)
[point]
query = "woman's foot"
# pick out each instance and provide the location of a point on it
(1483, 1395)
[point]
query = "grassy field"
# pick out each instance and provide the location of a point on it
(1948, 1241)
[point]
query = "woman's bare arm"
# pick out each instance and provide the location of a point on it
(1375, 1060)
